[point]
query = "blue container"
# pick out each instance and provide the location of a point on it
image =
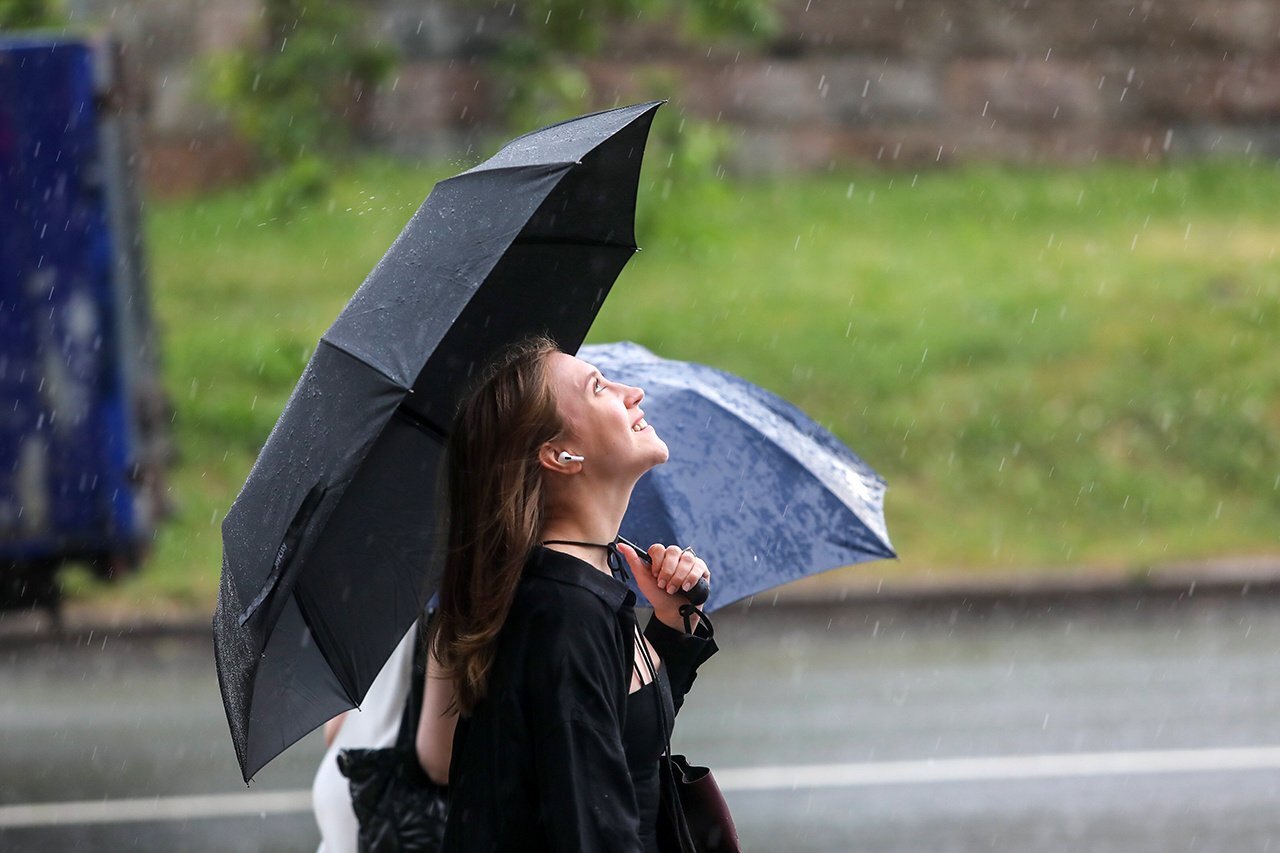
(68, 438)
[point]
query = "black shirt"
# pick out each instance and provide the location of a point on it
(540, 764)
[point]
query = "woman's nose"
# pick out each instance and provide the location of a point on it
(635, 395)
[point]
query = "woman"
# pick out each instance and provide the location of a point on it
(560, 725)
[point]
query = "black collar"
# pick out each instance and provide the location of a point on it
(565, 568)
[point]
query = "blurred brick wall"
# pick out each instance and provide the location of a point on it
(899, 82)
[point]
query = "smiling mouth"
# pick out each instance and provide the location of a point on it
(640, 425)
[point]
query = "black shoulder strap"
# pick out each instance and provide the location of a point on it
(677, 810)
(408, 733)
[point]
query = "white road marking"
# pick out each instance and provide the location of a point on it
(154, 809)
(989, 768)
(993, 768)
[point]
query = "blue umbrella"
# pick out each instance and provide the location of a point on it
(761, 491)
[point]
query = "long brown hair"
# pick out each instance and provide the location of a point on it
(496, 507)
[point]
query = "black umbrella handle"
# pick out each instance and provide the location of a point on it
(696, 596)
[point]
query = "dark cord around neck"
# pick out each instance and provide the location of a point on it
(617, 563)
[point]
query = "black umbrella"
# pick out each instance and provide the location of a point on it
(763, 493)
(330, 549)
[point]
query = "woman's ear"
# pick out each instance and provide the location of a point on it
(549, 458)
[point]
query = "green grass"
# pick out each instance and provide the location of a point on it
(1051, 368)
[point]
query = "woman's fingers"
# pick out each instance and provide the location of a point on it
(657, 556)
(688, 568)
(665, 561)
(696, 573)
(674, 569)
(686, 574)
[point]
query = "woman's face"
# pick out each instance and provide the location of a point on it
(603, 420)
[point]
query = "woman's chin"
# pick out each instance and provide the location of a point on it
(653, 454)
(661, 453)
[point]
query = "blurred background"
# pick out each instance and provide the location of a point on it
(956, 233)
(1020, 255)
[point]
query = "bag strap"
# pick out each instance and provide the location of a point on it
(408, 732)
(687, 611)
(677, 810)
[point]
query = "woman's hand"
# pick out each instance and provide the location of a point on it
(671, 572)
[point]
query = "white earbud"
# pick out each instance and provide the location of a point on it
(566, 457)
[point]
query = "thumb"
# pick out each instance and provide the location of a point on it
(641, 571)
(633, 559)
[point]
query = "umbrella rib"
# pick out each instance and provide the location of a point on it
(317, 638)
(365, 360)
(565, 241)
(421, 423)
(557, 165)
(648, 106)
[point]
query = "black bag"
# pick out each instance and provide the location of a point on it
(399, 808)
(703, 808)
(693, 816)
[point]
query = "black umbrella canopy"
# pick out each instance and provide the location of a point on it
(331, 548)
(762, 491)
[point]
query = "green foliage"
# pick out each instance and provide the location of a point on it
(30, 14)
(537, 66)
(290, 189)
(1050, 367)
(714, 18)
(540, 78)
(298, 96)
(684, 160)
(559, 28)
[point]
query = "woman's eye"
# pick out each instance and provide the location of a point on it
(599, 387)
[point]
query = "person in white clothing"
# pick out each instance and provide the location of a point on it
(373, 726)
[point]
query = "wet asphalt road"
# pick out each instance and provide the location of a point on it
(870, 695)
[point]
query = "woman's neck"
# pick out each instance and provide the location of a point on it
(595, 524)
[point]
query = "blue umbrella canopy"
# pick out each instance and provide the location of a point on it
(761, 491)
